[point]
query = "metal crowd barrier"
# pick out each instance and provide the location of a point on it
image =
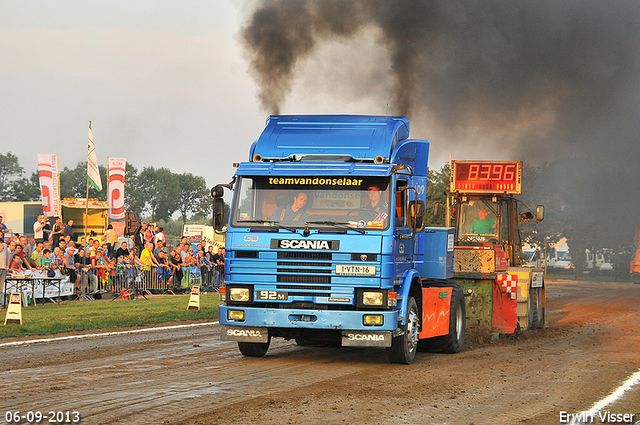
(96, 280)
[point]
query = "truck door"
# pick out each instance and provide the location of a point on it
(404, 242)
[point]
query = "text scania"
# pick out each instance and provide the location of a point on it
(361, 337)
(306, 244)
(243, 332)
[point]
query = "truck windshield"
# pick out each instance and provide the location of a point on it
(333, 202)
(477, 221)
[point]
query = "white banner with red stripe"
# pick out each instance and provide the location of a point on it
(49, 177)
(117, 167)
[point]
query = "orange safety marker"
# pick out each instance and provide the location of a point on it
(194, 299)
(14, 309)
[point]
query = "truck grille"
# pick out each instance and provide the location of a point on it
(304, 279)
(304, 270)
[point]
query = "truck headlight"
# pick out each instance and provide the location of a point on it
(239, 294)
(372, 298)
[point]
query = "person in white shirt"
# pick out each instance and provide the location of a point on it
(38, 226)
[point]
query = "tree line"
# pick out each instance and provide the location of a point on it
(156, 193)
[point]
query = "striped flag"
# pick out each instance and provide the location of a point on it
(93, 173)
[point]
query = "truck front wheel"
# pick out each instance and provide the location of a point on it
(254, 349)
(403, 347)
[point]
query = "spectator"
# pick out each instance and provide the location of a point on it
(123, 250)
(16, 266)
(157, 249)
(218, 261)
(148, 234)
(23, 260)
(46, 245)
(47, 263)
(164, 269)
(184, 253)
(69, 264)
(38, 228)
(94, 248)
(3, 228)
(176, 265)
(205, 267)
(26, 248)
(100, 264)
(62, 245)
(56, 258)
(160, 236)
(112, 241)
(46, 231)
(138, 238)
(35, 260)
(68, 233)
(11, 249)
(147, 257)
(56, 232)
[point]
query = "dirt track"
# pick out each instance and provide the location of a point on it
(188, 376)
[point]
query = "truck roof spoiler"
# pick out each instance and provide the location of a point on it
(349, 138)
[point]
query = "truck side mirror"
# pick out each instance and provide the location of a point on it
(540, 212)
(218, 206)
(416, 216)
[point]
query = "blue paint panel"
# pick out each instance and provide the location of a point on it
(360, 136)
(438, 253)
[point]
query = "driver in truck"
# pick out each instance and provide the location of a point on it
(483, 225)
(377, 207)
(294, 211)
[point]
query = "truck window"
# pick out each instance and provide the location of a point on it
(477, 221)
(359, 202)
(401, 202)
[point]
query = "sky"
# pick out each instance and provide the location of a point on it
(188, 85)
(164, 84)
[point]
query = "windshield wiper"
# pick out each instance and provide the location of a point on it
(338, 224)
(272, 223)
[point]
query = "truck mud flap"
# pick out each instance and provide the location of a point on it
(366, 339)
(244, 334)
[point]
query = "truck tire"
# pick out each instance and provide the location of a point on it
(535, 301)
(635, 277)
(453, 342)
(254, 349)
(403, 347)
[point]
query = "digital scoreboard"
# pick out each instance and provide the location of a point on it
(486, 176)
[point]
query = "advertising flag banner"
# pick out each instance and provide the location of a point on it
(49, 177)
(117, 167)
(93, 173)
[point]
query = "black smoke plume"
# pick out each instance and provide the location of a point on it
(533, 80)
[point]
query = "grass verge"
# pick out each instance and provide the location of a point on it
(77, 316)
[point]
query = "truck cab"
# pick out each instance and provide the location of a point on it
(326, 241)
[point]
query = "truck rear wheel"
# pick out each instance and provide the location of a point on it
(254, 349)
(535, 307)
(453, 342)
(403, 347)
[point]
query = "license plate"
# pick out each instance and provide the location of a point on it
(272, 295)
(355, 270)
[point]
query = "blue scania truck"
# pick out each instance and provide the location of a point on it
(326, 242)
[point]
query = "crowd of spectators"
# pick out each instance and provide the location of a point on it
(103, 263)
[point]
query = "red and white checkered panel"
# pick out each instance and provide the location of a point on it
(508, 283)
